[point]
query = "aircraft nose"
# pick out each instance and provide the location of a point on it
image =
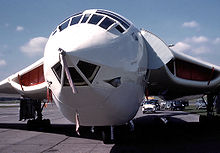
(99, 106)
(82, 36)
(92, 56)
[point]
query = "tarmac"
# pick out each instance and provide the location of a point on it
(161, 132)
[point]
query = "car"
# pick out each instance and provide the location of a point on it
(168, 105)
(155, 102)
(200, 104)
(185, 103)
(148, 107)
(163, 105)
(177, 105)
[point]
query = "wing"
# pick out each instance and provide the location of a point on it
(28, 82)
(173, 75)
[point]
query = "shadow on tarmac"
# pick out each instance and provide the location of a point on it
(151, 134)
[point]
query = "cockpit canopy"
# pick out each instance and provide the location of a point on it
(102, 18)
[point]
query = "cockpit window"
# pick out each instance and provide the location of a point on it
(106, 23)
(57, 69)
(64, 25)
(105, 19)
(88, 69)
(95, 19)
(116, 17)
(76, 77)
(85, 18)
(75, 20)
(119, 28)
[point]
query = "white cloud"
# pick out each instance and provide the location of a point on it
(196, 40)
(35, 46)
(200, 47)
(217, 41)
(181, 47)
(201, 50)
(191, 24)
(19, 28)
(2, 62)
(194, 45)
(200, 39)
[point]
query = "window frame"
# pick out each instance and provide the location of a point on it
(64, 23)
(119, 23)
(59, 78)
(91, 78)
(65, 80)
(116, 17)
(76, 17)
(96, 23)
(87, 18)
(107, 18)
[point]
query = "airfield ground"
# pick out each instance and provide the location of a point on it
(163, 131)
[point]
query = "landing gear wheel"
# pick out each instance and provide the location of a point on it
(106, 135)
(36, 124)
(31, 109)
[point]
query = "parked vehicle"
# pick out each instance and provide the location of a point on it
(200, 104)
(177, 105)
(156, 103)
(148, 107)
(185, 103)
(168, 104)
(162, 105)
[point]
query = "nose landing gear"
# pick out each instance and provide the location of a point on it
(115, 134)
(108, 135)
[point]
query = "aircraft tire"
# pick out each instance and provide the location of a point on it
(36, 124)
(106, 135)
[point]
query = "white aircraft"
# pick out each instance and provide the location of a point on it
(97, 68)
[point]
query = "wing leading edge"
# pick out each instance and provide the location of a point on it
(28, 82)
(175, 75)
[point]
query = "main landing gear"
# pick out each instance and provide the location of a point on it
(32, 110)
(210, 119)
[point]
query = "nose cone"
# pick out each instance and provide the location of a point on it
(115, 54)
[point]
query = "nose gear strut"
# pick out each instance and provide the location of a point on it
(63, 59)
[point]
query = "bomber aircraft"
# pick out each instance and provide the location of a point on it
(98, 67)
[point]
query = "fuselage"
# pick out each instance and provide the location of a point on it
(107, 60)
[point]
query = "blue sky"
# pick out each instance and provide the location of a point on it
(25, 25)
